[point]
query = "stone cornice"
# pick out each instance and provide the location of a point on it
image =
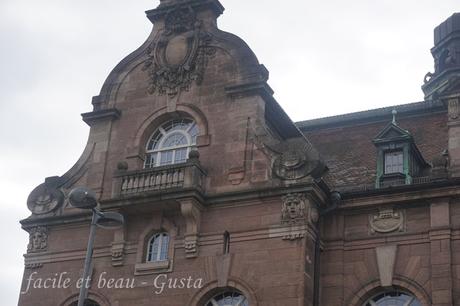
(167, 6)
(401, 194)
(100, 115)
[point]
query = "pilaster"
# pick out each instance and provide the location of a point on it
(453, 103)
(441, 253)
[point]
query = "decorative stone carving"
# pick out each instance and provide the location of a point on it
(180, 56)
(386, 221)
(295, 159)
(294, 209)
(32, 266)
(190, 245)
(180, 21)
(117, 254)
(190, 210)
(439, 168)
(297, 209)
(454, 109)
(294, 236)
(46, 197)
(38, 240)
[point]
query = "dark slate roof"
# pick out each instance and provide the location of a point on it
(345, 142)
(374, 115)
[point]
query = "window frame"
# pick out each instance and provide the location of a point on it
(373, 301)
(213, 300)
(150, 245)
(145, 267)
(153, 151)
(401, 153)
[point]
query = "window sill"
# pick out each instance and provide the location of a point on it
(153, 267)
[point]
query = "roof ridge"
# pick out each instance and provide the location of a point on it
(366, 114)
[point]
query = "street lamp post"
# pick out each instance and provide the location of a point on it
(84, 198)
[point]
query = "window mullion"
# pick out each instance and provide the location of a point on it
(160, 244)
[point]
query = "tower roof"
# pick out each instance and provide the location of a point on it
(449, 27)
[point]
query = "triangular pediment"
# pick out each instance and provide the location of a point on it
(392, 132)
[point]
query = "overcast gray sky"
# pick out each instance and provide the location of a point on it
(325, 58)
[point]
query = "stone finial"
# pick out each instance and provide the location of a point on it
(394, 112)
(439, 167)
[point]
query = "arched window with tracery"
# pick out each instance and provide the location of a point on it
(393, 298)
(171, 143)
(228, 298)
(157, 247)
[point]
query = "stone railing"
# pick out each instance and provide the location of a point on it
(186, 175)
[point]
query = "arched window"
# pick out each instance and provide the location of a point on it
(87, 303)
(229, 298)
(157, 247)
(171, 143)
(393, 298)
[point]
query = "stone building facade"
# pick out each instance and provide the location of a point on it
(228, 202)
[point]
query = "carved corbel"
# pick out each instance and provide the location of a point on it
(191, 211)
(118, 247)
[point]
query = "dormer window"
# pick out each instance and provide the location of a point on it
(171, 143)
(394, 162)
(399, 160)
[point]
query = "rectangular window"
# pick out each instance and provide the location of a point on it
(394, 162)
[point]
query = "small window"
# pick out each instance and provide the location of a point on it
(171, 143)
(157, 248)
(393, 298)
(394, 162)
(230, 298)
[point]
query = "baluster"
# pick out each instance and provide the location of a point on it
(124, 184)
(174, 177)
(147, 181)
(141, 182)
(181, 176)
(129, 184)
(136, 184)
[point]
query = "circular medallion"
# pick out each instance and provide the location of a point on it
(43, 200)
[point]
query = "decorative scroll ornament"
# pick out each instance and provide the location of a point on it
(181, 54)
(38, 240)
(45, 198)
(386, 221)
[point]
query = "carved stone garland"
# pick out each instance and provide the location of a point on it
(180, 56)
